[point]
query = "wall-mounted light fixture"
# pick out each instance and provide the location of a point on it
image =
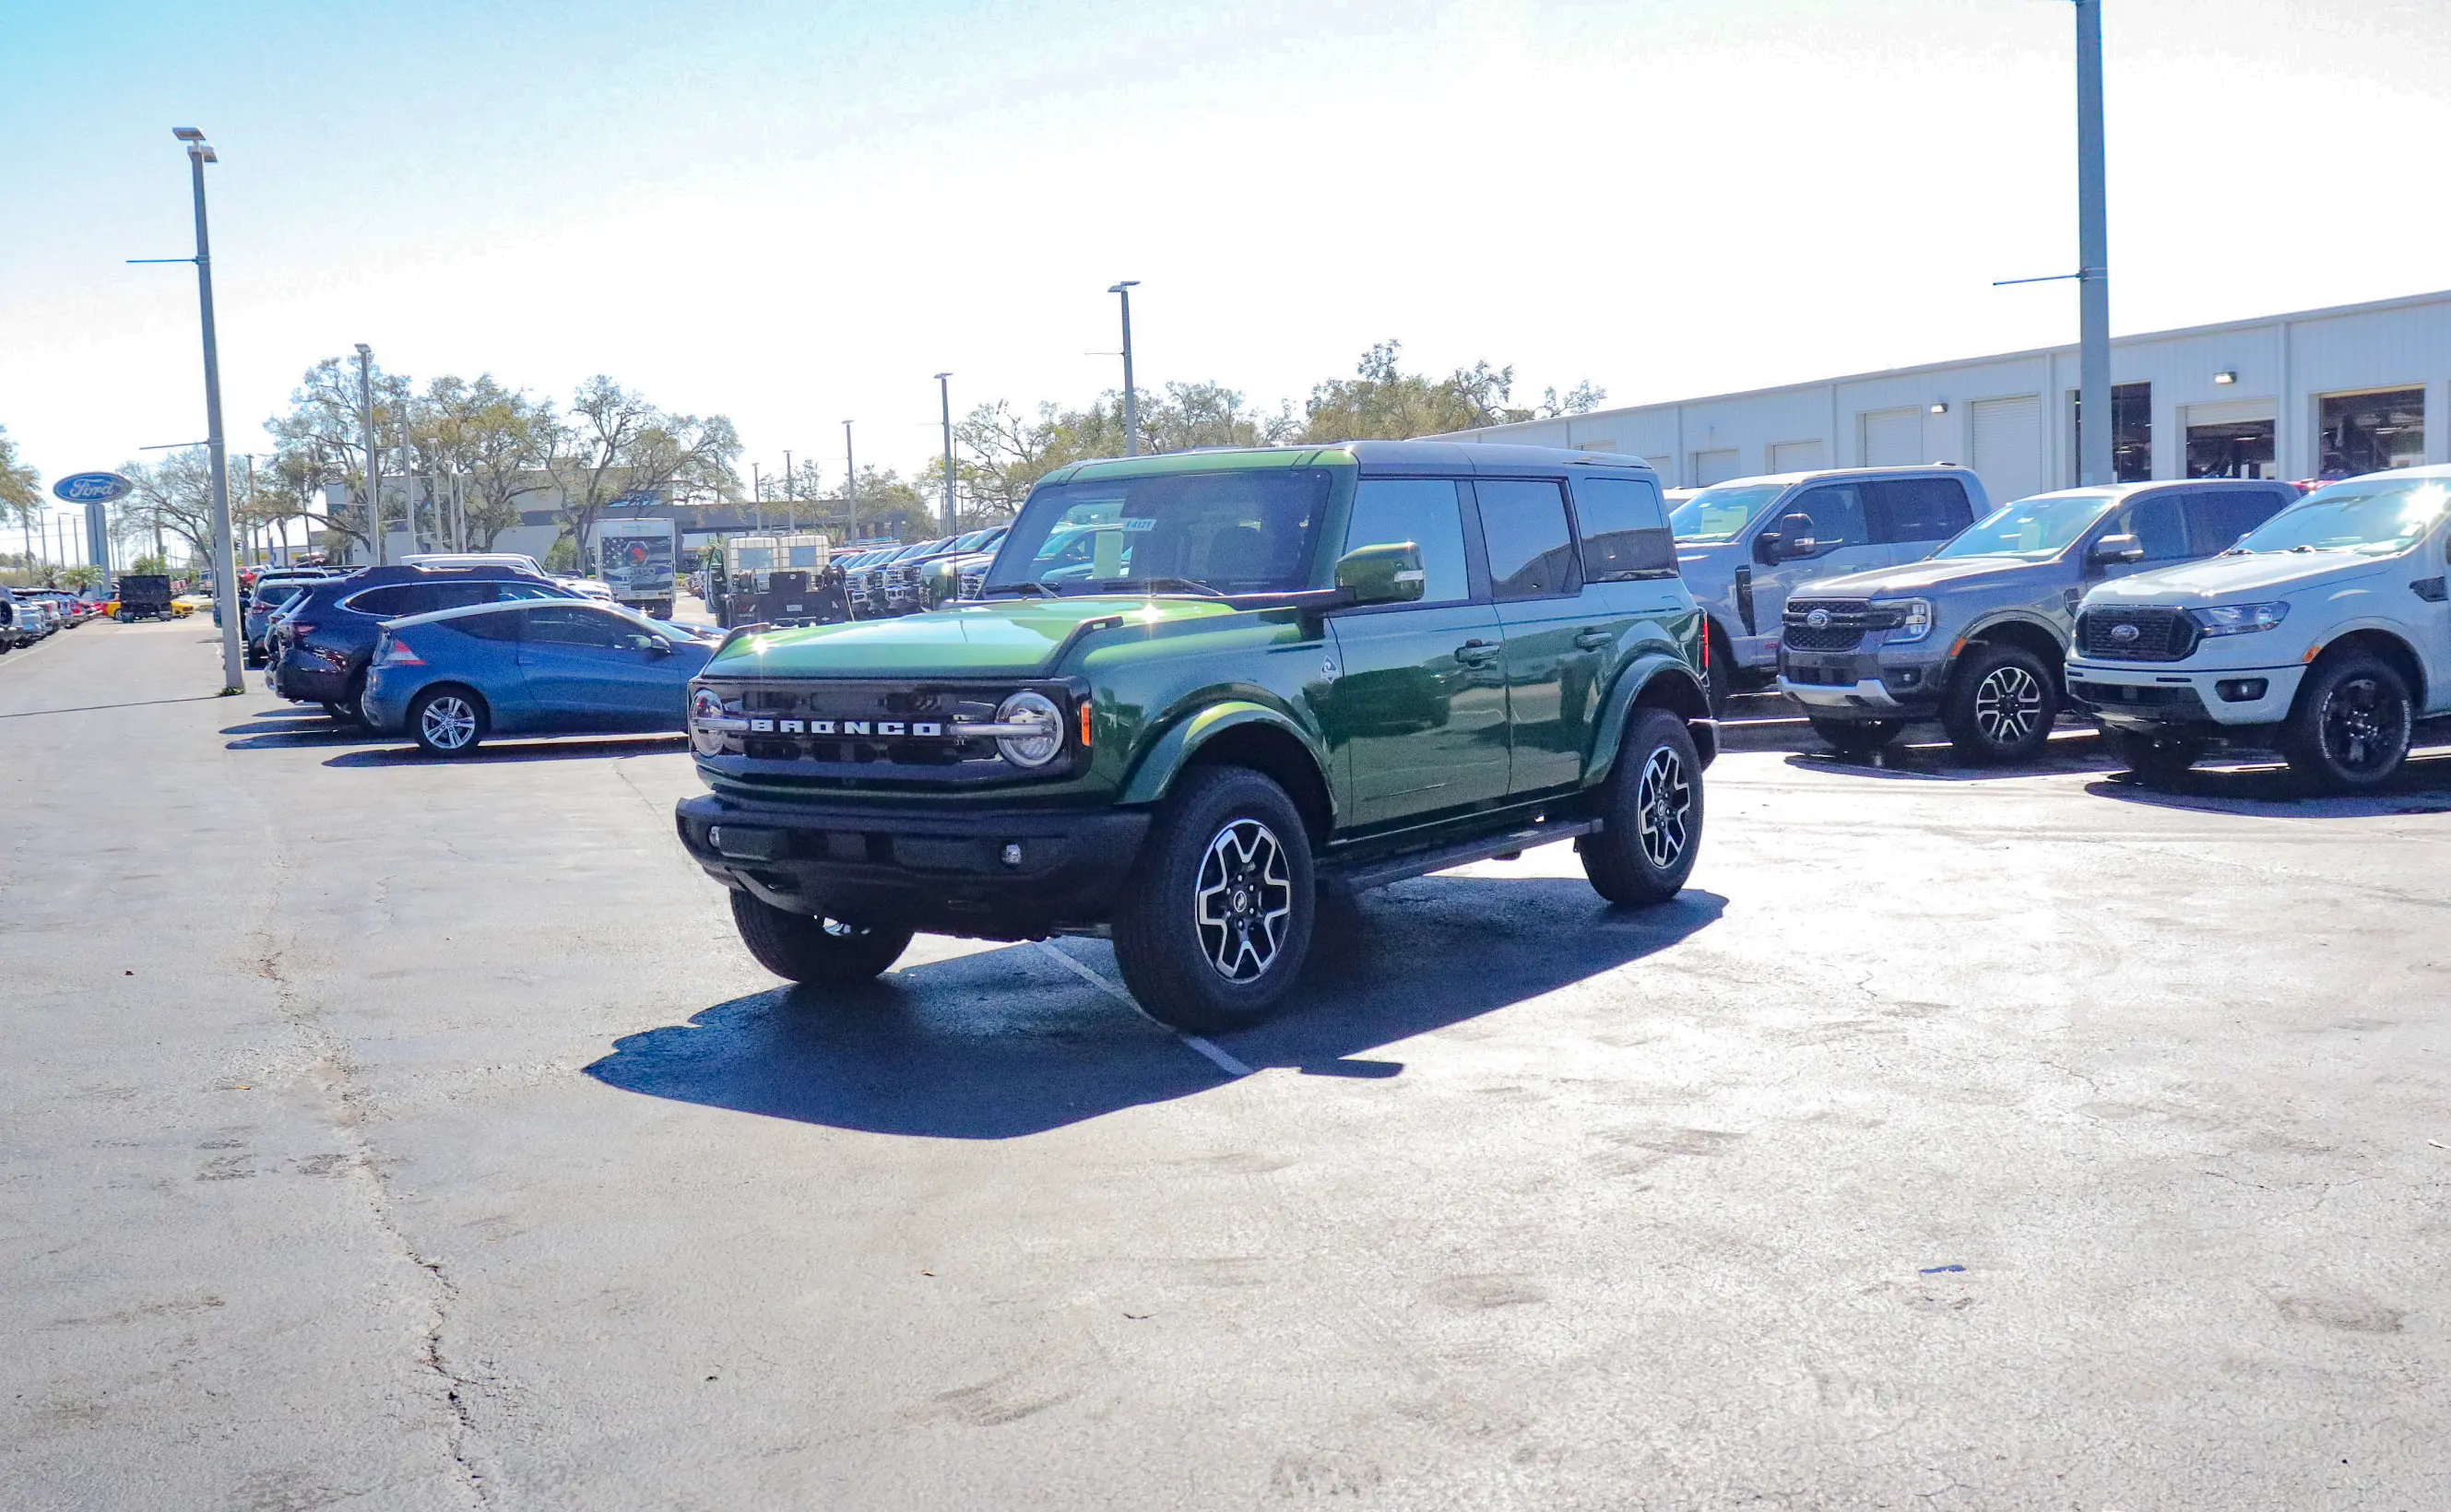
(1940, 408)
(2225, 377)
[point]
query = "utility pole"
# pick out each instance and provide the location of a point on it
(945, 398)
(374, 465)
(791, 511)
(1131, 398)
(757, 496)
(2094, 427)
(225, 555)
(851, 489)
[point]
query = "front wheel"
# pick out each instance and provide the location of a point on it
(2350, 730)
(1651, 815)
(2156, 759)
(447, 721)
(1216, 918)
(1856, 738)
(2001, 705)
(814, 952)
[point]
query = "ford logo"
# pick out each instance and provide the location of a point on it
(1817, 619)
(2123, 634)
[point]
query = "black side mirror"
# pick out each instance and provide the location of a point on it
(2111, 550)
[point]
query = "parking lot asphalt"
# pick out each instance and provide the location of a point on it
(387, 1134)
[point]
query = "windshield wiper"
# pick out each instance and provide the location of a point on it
(1156, 584)
(1031, 584)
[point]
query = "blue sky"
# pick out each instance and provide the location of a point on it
(795, 214)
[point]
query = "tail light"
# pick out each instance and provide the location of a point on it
(397, 653)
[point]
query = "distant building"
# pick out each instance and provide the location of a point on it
(2318, 393)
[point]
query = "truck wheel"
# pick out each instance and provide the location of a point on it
(1216, 917)
(1856, 738)
(2000, 706)
(447, 721)
(2350, 729)
(2158, 761)
(814, 952)
(1651, 813)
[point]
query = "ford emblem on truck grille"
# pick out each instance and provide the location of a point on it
(2123, 634)
(1817, 619)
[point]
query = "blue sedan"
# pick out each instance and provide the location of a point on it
(451, 678)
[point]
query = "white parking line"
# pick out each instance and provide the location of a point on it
(1217, 1056)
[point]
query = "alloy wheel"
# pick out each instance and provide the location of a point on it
(2008, 705)
(2365, 725)
(1243, 900)
(448, 723)
(1663, 806)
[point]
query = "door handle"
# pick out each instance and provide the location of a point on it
(1595, 640)
(1475, 650)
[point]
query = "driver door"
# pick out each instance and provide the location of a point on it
(590, 669)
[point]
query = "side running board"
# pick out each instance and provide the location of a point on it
(1363, 875)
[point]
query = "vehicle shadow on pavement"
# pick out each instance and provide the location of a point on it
(400, 752)
(1007, 1042)
(1936, 762)
(2421, 786)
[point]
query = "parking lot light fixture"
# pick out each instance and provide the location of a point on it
(2225, 378)
(1131, 400)
(945, 399)
(224, 549)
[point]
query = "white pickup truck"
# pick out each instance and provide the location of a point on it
(2325, 634)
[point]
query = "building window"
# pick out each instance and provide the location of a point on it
(2131, 432)
(2371, 433)
(2238, 449)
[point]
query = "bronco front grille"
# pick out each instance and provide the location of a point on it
(2140, 633)
(830, 731)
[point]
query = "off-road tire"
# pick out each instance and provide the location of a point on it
(1651, 813)
(1225, 876)
(2157, 760)
(2350, 728)
(448, 720)
(814, 952)
(2001, 704)
(1856, 738)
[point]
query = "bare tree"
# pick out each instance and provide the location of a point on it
(614, 446)
(321, 442)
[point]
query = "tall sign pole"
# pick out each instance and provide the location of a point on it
(851, 489)
(2094, 430)
(945, 398)
(225, 553)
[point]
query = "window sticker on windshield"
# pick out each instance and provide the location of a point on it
(1140, 523)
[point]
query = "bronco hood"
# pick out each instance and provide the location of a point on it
(1921, 577)
(997, 638)
(2254, 573)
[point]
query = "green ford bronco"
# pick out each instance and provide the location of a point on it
(1197, 691)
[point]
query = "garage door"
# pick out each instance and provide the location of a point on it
(1713, 466)
(1893, 438)
(2008, 445)
(1794, 455)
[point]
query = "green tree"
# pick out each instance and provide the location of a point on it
(615, 444)
(321, 443)
(496, 440)
(173, 497)
(1380, 402)
(21, 491)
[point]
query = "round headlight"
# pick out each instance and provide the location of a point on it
(705, 705)
(1031, 709)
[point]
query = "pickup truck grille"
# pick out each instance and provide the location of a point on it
(974, 582)
(2142, 633)
(1845, 623)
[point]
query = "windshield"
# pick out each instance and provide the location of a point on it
(1718, 514)
(2378, 516)
(1250, 530)
(2035, 528)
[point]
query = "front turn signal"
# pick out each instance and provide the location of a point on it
(1084, 725)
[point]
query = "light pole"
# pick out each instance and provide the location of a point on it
(225, 555)
(851, 489)
(1131, 400)
(945, 398)
(374, 466)
(791, 502)
(2094, 434)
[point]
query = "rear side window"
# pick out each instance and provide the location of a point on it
(1387, 511)
(576, 625)
(1916, 509)
(2158, 526)
(2217, 516)
(1835, 511)
(1625, 529)
(502, 625)
(1531, 550)
(393, 601)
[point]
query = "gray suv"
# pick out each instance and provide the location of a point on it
(1976, 633)
(1743, 545)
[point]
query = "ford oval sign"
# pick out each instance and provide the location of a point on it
(92, 488)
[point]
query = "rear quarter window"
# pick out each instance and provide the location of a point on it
(1916, 509)
(1625, 529)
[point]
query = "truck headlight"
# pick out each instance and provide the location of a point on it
(706, 736)
(1039, 711)
(1917, 620)
(2239, 619)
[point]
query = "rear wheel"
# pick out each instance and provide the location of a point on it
(1856, 738)
(447, 721)
(2350, 730)
(1651, 813)
(814, 952)
(2157, 760)
(1216, 918)
(2001, 705)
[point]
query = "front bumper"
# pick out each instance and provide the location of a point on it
(1861, 685)
(942, 871)
(2155, 698)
